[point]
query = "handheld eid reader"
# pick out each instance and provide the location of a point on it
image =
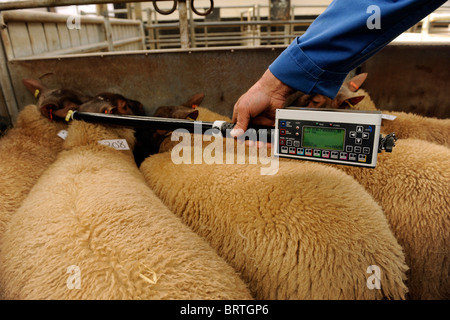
(338, 136)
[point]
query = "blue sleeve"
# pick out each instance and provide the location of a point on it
(340, 39)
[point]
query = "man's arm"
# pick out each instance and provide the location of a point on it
(346, 34)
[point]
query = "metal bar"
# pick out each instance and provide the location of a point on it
(7, 88)
(143, 122)
(192, 29)
(74, 50)
(36, 16)
(184, 29)
(169, 124)
(27, 4)
(304, 22)
(126, 41)
(7, 46)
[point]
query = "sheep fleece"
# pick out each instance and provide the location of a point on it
(307, 232)
(92, 209)
(412, 184)
(25, 152)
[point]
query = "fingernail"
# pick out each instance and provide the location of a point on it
(236, 132)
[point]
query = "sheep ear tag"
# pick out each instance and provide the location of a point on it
(118, 144)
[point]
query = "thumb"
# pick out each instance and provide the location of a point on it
(242, 120)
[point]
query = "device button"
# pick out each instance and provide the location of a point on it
(357, 149)
(349, 148)
(365, 135)
(362, 157)
(292, 150)
(366, 150)
(325, 154)
(352, 134)
(358, 141)
(359, 128)
(282, 142)
(334, 154)
(284, 149)
(283, 124)
(289, 142)
(283, 131)
(352, 156)
(300, 151)
(317, 153)
(343, 156)
(308, 152)
(296, 143)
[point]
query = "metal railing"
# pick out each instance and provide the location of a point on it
(250, 28)
(31, 33)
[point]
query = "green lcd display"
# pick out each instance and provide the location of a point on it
(323, 138)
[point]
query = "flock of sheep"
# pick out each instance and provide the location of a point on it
(203, 231)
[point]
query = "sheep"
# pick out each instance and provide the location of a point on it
(26, 151)
(299, 234)
(55, 103)
(409, 125)
(412, 184)
(92, 229)
(396, 179)
(405, 125)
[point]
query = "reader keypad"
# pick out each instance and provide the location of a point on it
(357, 145)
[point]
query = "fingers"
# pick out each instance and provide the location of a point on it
(241, 117)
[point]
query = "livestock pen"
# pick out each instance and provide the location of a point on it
(162, 63)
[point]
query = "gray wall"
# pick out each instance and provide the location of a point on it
(401, 77)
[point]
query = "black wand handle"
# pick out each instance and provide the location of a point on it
(255, 132)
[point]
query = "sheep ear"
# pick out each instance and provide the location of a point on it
(193, 115)
(185, 113)
(34, 86)
(136, 107)
(195, 100)
(356, 82)
(350, 102)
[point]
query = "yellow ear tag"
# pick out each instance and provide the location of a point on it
(36, 93)
(351, 106)
(68, 115)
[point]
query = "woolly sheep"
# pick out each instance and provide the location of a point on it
(26, 151)
(408, 125)
(405, 125)
(299, 234)
(412, 186)
(92, 218)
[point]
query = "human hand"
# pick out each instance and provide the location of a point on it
(259, 103)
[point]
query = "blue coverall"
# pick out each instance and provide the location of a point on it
(339, 40)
